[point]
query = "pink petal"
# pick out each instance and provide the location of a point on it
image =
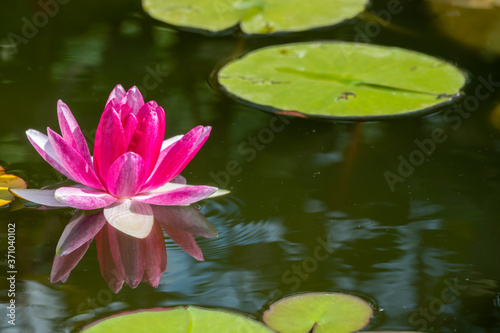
(42, 145)
(127, 256)
(129, 125)
(148, 137)
(170, 141)
(71, 131)
(146, 109)
(179, 180)
(131, 217)
(113, 103)
(178, 156)
(84, 198)
(165, 148)
(126, 175)
(81, 229)
(176, 194)
(41, 197)
(123, 110)
(113, 274)
(155, 256)
(73, 161)
(186, 218)
(109, 142)
(133, 99)
(117, 93)
(185, 240)
(63, 265)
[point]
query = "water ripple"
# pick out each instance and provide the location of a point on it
(234, 229)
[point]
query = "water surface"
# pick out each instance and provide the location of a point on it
(310, 207)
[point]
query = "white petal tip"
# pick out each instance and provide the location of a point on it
(218, 193)
(41, 197)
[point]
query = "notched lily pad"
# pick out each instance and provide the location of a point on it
(341, 80)
(253, 16)
(177, 320)
(318, 313)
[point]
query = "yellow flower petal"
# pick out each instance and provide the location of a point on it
(6, 182)
(12, 181)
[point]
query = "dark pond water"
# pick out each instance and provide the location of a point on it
(310, 207)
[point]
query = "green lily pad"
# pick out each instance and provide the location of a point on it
(341, 80)
(318, 313)
(174, 320)
(177, 320)
(216, 321)
(253, 16)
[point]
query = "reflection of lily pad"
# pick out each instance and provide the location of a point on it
(253, 16)
(473, 23)
(178, 320)
(318, 313)
(470, 3)
(342, 80)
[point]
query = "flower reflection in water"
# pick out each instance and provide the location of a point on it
(124, 258)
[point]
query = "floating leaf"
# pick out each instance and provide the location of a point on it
(174, 320)
(341, 80)
(178, 320)
(6, 182)
(215, 321)
(253, 16)
(318, 313)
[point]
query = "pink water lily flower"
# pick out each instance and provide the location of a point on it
(132, 167)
